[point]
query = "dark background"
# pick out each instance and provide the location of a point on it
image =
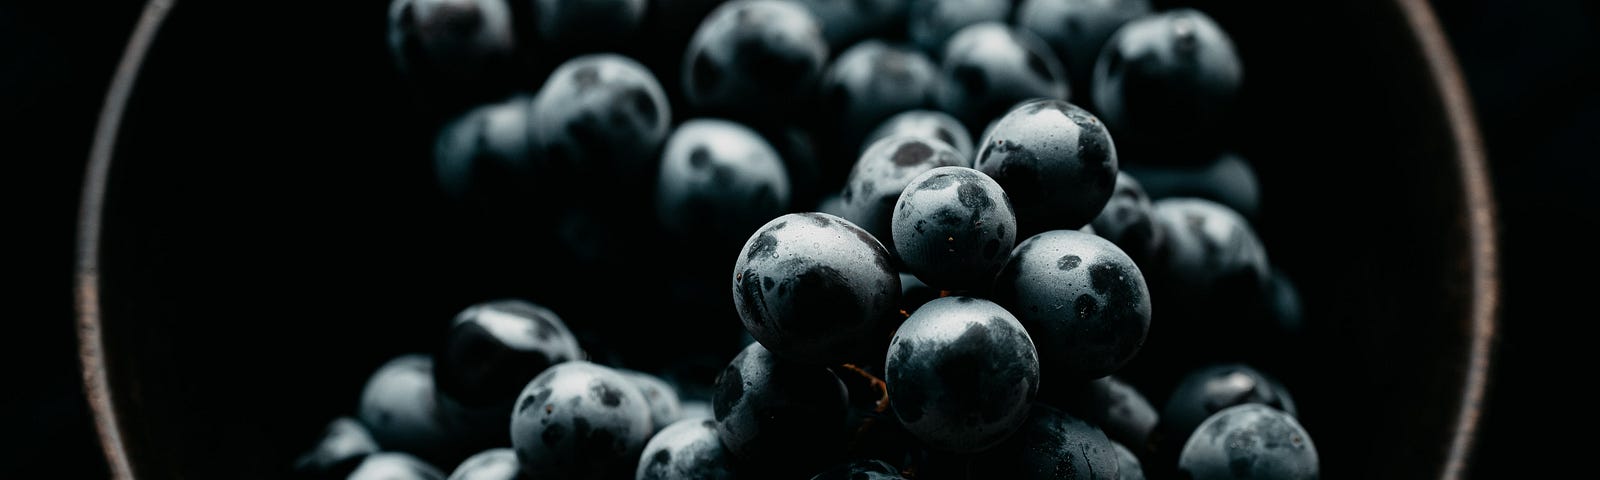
(1533, 68)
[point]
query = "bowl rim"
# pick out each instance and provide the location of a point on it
(1443, 70)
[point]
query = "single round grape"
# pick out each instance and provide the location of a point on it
(1055, 160)
(1207, 391)
(394, 466)
(1128, 466)
(487, 156)
(719, 180)
(1126, 220)
(580, 420)
(689, 449)
(769, 409)
(344, 443)
(845, 21)
(961, 373)
(665, 407)
(871, 81)
(933, 22)
(602, 114)
(491, 351)
(925, 124)
(399, 407)
(750, 57)
(882, 173)
(989, 67)
(812, 286)
(860, 470)
(953, 227)
(1051, 445)
(452, 41)
(1249, 442)
(587, 24)
(492, 464)
(1077, 29)
(1084, 302)
(1111, 404)
(1209, 255)
(1167, 80)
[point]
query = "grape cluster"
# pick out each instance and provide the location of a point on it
(916, 302)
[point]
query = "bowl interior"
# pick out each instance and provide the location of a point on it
(272, 234)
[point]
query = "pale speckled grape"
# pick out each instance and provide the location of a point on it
(580, 420)
(492, 464)
(394, 466)
(1051, 445)
(690, 449)
(1056, 161)
(961, 373)
(718, 181)
(811, 287)
(1077, 29)
(953, 227)
(933, 22)
(873, 80)
(602, 114)
(925, 124)
(768, 409)
(343, 442)
(883, 172)
(1084, 302)
(456, 41)
(751, 56)
(1128, 466)
(1249, 442)
(399, 406)
(989, 67)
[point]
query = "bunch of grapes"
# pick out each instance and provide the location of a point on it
(916, 302)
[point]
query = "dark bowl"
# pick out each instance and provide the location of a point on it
(259, 231)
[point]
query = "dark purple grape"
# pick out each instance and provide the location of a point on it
(1210, 257)
(580, 420)
(587, 25)
(1128, 466)
(690, 449)
(925, 124)
(933, 22)
(1051, 445)
(399, 407)
(344, 443)
(883, 172)
(754, 57)
(454, 42)
(961, 373)
(1077, 29)
(1229, 180)
(394, 466)
(488, 158)
(1084, 302)
(491, 351)
(1126, 220)
(1249, 442)
(1114, 406)
(989, 67)
(872, 81)
(1055, 160)
(1165, 82)
(492, 464)
(719, 180)
(780, 415)
(812, 287)
(845, 21)
(603, 115)
(1207, 391)
(861, 470)
(953, 227)
(662, 397)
